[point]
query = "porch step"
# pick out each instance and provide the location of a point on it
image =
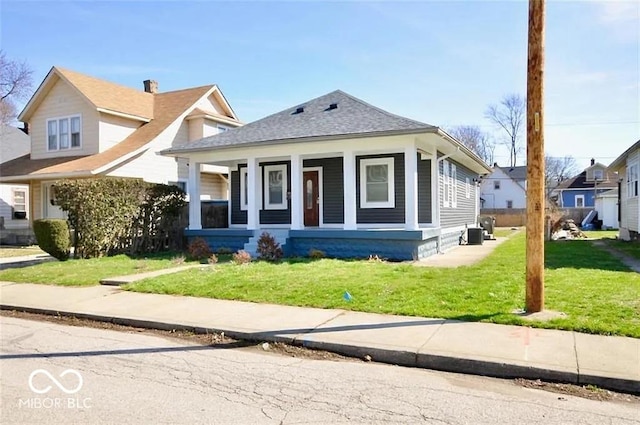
(280, 235)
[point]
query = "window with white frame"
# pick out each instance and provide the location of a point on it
(445, 187)
(632, 181)
(244, 188)
(496, 184)
(509, 204)
(598, 175)
(467, 187)
(222, 129)
(64, 133)
(275, 187)
(454, 185)
(579, 201)
(19, 201)
(377, 183)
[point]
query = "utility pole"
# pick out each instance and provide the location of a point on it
(535, 159)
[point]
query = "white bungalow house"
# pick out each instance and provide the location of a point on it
(505, 187)
(342, 176)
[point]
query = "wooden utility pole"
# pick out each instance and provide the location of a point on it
(535, 159)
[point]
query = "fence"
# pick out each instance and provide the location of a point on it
(516, 217)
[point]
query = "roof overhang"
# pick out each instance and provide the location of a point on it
(45, 176)
(123, 115)
(620, 161)
(211, 117)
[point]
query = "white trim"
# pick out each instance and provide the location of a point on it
(57, 120)
(321, 203)
(411, 188)
(575, 201)
(364, 163)
(242, 172)
(123, 115)
(454, 186)
(253, 192)
(268, 205)
(349, 186)
(193, 186)
(297, 191)
(446, 190)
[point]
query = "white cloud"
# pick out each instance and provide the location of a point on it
(616, 12)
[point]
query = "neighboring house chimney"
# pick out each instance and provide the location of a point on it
(495, 165)
(150, 86)
(25, 128)
(593, 161)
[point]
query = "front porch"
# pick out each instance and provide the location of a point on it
(390, 244)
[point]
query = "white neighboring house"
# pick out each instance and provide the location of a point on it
(627, 165)
(14, 198)
(85, 127)
(505, 187)
(607, 208)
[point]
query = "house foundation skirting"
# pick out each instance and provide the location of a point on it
(395, 245)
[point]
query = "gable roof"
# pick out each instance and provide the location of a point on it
(619, 162)
(518, 173)
(580, 181)
(313, 119)
(105, 96)
(167, 108)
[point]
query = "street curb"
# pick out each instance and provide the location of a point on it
(395, 357)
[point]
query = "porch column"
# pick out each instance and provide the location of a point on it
(411, 188)
(253, 192)
(349, 177)
(193, 187)
(296, 193)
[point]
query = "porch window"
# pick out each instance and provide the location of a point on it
(63, 133)
(632, 181)
(275, 186)
(377, 183)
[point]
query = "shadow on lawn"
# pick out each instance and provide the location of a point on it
(580, 254)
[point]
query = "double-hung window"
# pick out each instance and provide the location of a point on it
(64, 133)
(632, 181)
(19, 203)
(275, 185)
(377, 183)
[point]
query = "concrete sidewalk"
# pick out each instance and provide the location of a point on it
(475, 348)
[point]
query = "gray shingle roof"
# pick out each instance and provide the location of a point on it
(349, 117)
(516, 173)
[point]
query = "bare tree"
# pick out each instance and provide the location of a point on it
(15, 84)
(558, 169)
(477, 140)
(509, 115)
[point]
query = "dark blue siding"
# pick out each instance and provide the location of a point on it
(425, 198)
(237, 215)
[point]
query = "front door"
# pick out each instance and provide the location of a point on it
(311, 199)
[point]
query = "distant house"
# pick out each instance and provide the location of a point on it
(14, 198)
(341, 176)
(627, 165)
(505, 187)
(580, 191)
(85, 127)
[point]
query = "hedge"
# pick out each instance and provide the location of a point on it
(53, 237)
(115, 215)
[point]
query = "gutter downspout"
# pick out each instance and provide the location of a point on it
(438, 161)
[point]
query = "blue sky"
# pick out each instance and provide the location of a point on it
(437, 62)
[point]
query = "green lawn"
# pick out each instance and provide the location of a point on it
(503, 232)
(597, 292)
(630, 248)
(86, 272)
(19, 251)
(601, 234)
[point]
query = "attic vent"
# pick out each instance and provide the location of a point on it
(299, 110)
(332, 106)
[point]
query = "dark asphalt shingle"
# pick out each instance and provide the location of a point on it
(351, 116)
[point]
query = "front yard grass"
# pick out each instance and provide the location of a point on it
(631, 248)
(601, 234)
(87, 272)
(596, 291)
(19, 251)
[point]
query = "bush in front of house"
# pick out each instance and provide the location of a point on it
(241, 257)
(199, 249)
(53, 237)
(116, 215)
(316, 254)
(268, 248)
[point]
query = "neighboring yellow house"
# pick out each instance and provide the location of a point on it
(83, 127)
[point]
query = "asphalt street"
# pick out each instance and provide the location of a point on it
(56, 374)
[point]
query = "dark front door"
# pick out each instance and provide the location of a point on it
(311, 199)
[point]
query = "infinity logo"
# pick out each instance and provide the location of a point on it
(55, 381)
